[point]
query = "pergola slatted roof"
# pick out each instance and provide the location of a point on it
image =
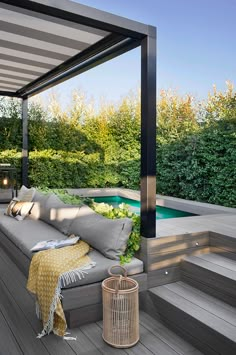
(33, 44)
(39, 41)
(44, 42)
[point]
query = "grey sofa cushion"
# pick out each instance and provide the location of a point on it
(100, 271)
(38, 210)
(109, 236)
(58, 214)
(27, 233)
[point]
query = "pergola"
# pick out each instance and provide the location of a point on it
(44, 42)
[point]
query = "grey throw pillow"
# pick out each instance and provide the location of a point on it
(58, 214)
(39, 210)
(109, 236)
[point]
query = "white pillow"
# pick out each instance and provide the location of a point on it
(25, 194)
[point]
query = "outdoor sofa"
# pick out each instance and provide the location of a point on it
(50, 218)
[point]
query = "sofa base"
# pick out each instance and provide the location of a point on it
(82, 304)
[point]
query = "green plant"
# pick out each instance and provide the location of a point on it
(107, 211)
(122, 211)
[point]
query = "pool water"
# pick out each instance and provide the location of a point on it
(161, 212)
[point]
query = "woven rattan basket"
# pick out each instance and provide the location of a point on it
(120, 310)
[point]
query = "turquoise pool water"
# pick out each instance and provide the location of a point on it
(161, 212)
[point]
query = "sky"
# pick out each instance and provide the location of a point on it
(196, 49)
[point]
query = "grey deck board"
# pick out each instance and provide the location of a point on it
(219, 260)
(205, 301)
(154, 344)
(17, 289)
(94, 333)
(8, 344)
(19, 326)
(138, 349)
(209, 265)
(166, 335)
(189, 322)
(188, 306)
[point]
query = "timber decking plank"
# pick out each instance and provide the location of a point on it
(210, 277)
(83, 344)
(8, 343)
(205, 301)
(154, 344)
(161, 331)
(198, 283)
(228, 273)
(210, 332)
(189, 335)
(94, 333)
(170, 294)
(15, 282)
(19, 325)
(219, 260)
(138, 349)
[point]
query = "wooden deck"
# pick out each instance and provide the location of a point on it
(19, 327)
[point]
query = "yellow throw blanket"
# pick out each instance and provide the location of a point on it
(49, 271)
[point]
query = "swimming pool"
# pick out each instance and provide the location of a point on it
(161, 212)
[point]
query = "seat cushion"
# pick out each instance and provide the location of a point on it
(100, 271)
(27, 233)
(58, 214)
(109, 236)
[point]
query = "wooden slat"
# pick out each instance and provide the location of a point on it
(210, 290)
(138, 349)
(219, 260)
(165, 260)
(158, 253)
(82, 345)
(223, 252)
(19, 325)
(210, 275)
(154, 344)
(94, 333)
(211, 304)
(223, 242)
(83, 296)
(15, 282)
(84, 315)
(15, 254)
(163, 276)
(8, 343)
(169, 337)
(208, 328)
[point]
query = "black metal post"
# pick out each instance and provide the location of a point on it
(24, 166)
(148, 135)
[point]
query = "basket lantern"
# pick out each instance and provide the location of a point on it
(120, 310)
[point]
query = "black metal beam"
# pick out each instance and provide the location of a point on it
(25, 153)
(91, 51)
(8, 93)
(92, 62)
(148, 136)
(89, 16)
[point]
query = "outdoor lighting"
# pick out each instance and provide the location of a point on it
(8, 182)
(5, 181)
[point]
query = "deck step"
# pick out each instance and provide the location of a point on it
(204, 320)
(213, 274)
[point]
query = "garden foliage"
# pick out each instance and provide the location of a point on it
(196, 144)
